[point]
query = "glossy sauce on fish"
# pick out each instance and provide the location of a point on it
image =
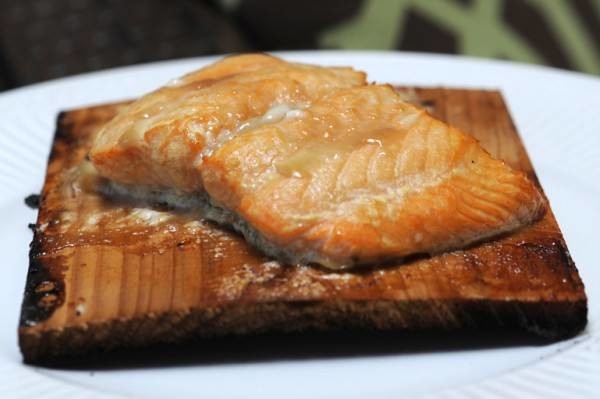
(366, 177)
(314, 165)
(161, 139)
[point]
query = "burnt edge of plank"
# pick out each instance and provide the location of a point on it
(537, 321)
(44, 290)
(33, 201)
(62, 134)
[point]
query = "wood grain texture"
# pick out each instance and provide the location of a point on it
(112, 286)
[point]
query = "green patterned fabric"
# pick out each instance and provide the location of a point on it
(479, 29)
(45, 39)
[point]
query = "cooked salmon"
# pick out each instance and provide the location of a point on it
(160, 140)
(313, 165)
(363, 177)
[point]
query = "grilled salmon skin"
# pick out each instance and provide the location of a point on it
(314, 165)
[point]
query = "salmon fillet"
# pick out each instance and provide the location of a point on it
(363, 177)
(160, 140)
(313, 165)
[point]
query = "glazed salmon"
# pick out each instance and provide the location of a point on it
(160, 140)
(363, 177)
(313, 165)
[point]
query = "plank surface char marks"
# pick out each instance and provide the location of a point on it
(169, 283)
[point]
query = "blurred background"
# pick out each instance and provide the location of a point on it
(46, 39)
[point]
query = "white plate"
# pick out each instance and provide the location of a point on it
(556, 112)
